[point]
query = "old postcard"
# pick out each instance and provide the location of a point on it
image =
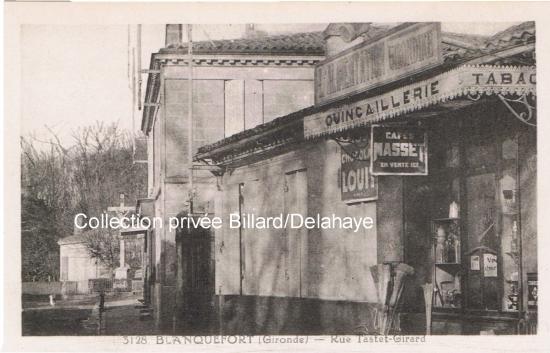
(191, 176)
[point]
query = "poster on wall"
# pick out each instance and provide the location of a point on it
(532, 290)
(356, 182)
(489, 265)
(399, 150)
(474, 263)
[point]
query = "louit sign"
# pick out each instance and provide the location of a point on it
(407, 49)
(357, 183)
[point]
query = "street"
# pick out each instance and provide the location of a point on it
(81, 317)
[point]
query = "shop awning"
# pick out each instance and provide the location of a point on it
(472, 81)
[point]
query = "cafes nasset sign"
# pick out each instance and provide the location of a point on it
(391, 150)
(399, 150)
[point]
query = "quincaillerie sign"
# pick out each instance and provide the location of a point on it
(407, 49)
(357, 183)
(464, 80)
(399, 150)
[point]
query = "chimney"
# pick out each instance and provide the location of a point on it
(251, 32)
(340, 36)
(174, 36)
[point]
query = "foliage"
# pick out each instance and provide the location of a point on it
(103, 245)
(60, 181)
(40, 259)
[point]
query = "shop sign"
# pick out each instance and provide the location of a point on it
(399, 150)
(465, 80)
(489, 265)
(408, 49)
(532, 290)
(356, 182)
(474, 263)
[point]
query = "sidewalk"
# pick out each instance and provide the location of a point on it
(80, 301)
(121, 317)
(81, 316)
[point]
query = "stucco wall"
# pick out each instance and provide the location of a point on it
(330, 264)
(225, 101)
(81, 267)
(228, 100)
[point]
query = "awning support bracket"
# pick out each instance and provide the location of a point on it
(523, 116)
(474, 98)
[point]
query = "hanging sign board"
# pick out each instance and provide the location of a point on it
(489, 265)
(407, 49)
(356, 182)
(399, 150)
(463, 81)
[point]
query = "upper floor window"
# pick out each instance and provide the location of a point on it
(249, 103)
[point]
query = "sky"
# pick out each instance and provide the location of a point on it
(75, 75)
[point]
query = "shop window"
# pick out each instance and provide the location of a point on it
(482, 240)
(476, 169)
(480, 154)
(480, 144)
(452, 155)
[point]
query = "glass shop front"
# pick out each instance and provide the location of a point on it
(469, 226)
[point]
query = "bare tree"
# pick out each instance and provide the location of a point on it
(59, 181)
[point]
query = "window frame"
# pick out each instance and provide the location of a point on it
(444, 175)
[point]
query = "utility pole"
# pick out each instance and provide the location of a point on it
(190, 115)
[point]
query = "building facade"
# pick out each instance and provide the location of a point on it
(237, 85)
(76, 265)
(465, 223)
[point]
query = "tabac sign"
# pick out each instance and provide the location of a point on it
(407, 49)
(399, 150)
(462, 81)
(356, 182)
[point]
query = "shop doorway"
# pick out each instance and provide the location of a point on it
(195, 281)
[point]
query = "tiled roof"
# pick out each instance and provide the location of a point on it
(457, 48)
(312, 43)
(516, 35)
(306, 43)
(72, 239)
(474, 40)
(283, 120)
